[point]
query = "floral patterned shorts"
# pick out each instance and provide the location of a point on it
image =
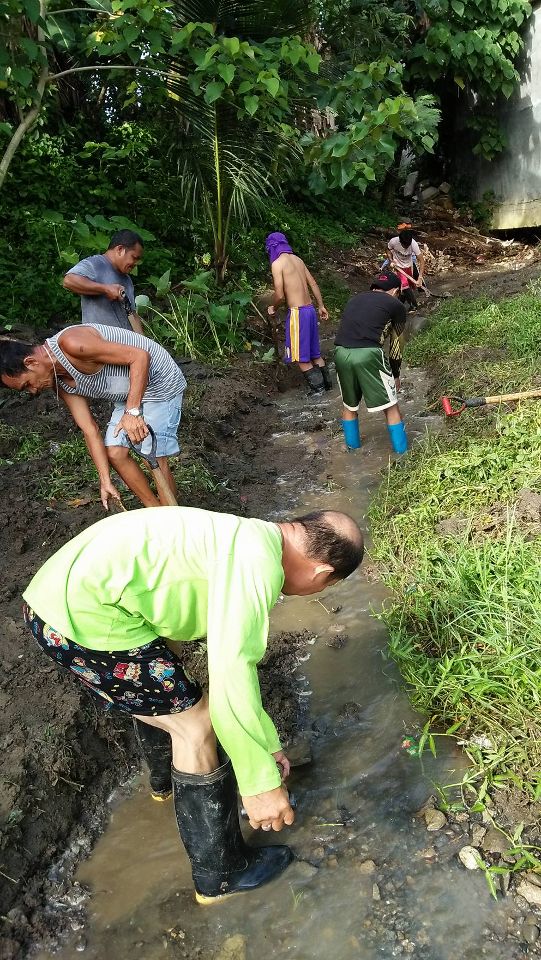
(149, 680)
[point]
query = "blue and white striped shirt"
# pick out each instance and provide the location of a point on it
(112, 382)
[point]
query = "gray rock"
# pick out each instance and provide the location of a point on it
(428, 193)
(411, 183)
(469, 857)
(300, 752)
(530, 932)
(494, 841)
(376, 895)
(234, 948)
(367, 867)
(530, 891)
(478, 833)
(445, 187)
(434, 819)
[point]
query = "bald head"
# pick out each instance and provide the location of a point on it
(333, 538)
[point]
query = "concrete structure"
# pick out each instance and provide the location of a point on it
(515, 175)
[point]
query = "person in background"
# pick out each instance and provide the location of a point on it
(104, 284)
(293, 282)
(407, 260)
(362, 369)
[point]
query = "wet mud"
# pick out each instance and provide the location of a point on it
(60, 756)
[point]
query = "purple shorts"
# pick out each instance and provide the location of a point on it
(302, 335)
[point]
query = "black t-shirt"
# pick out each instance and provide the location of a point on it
(367, 319)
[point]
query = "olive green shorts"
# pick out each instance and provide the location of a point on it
(365, 372)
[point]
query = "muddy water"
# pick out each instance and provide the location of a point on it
(369, 881)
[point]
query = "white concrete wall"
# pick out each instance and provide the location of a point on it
(515, 175)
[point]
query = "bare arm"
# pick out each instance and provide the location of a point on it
(279, 292)
(75, 283)
(323, 312)
(421, 262)
(80, 411)
(84, 343)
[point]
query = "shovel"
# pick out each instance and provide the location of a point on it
(423, 286)
(450, 411)
(164, 490)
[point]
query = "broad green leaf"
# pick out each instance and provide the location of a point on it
(227, 72)
(272, 84)
(231, 44)
(131, 32)
(507, 88)
(459, 81)
(313, 60)
(214, 90)
(142, 302)
(22, 75)
(458, 7)
(251, 104)
(31, 10)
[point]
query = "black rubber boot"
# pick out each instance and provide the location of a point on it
(155, 745)
(208, 822)
(325, 373)
(314, 379)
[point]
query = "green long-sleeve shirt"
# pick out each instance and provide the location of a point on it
(183, 574)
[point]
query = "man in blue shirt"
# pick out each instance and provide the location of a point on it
(104, 284)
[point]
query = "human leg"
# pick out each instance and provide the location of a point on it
(351, 396)
(144, 682)
(132, 475)
(379, 389)
(163, 463)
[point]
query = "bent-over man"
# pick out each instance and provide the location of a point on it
(362, 369)
(104, 284)
(107, 606)
(293, 282)
(105, 363)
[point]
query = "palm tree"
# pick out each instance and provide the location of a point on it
(228, 163)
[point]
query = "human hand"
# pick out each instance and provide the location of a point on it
(108, 489)
(323, 312)
(283, 764)
(269, 810)
(135, 427)
(113, 291)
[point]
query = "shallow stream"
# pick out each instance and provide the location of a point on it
(370, 881)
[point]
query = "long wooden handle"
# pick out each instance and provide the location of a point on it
(165, 493)
(505, 397)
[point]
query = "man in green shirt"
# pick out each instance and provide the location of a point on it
(110, 605)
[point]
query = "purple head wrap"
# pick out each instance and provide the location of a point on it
(276, 244)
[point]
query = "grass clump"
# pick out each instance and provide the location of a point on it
(463, 561)
(69, 469)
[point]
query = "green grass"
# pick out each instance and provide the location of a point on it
(69, 469)
(465, 617)
(18, 445)
(511, 327)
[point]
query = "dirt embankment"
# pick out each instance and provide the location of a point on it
(60, 756)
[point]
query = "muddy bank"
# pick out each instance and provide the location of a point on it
(60, 756)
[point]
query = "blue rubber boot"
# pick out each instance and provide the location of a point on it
(352, 435)
(399, 440)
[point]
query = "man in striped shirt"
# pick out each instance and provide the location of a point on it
(97, 362)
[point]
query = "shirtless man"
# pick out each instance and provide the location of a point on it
(293, 282)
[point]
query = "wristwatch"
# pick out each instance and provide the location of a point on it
(135, 411)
